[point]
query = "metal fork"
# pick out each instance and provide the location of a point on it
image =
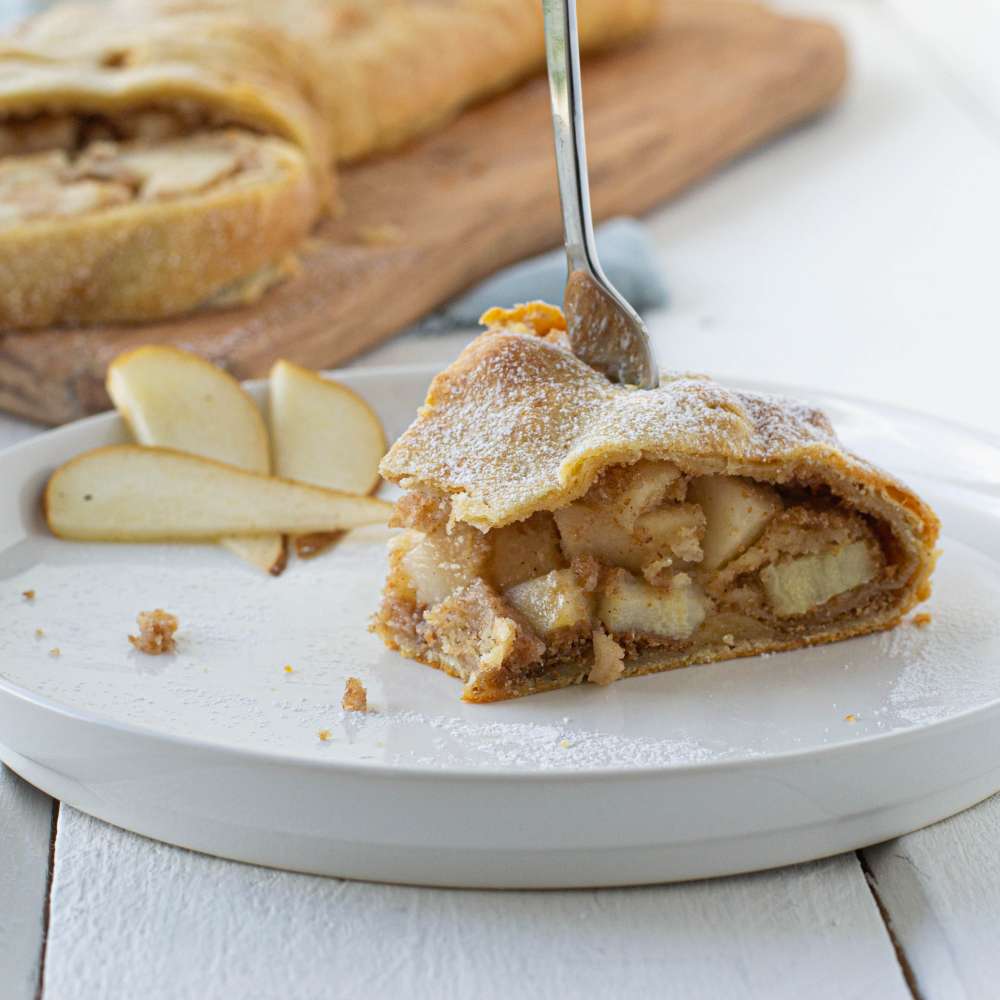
(604, 330)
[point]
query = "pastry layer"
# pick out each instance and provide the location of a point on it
(336, 79)
(552, 514)
(90, 234)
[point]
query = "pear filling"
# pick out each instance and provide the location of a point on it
(648, 558)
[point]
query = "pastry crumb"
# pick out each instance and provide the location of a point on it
(39, 633)
(324, 735)
(156, 632)
(850, 717)
(28, 595)
(609, 660)
(729, 639)
(565, 744)
(921, 620)
(289, 669)
(55, 651)
(355, 696)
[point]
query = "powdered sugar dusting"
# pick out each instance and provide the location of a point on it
(226, 684)
(517, 421)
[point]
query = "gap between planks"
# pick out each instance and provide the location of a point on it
(47, 911)
(904, 963)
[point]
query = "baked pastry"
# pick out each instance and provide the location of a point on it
(151, 164)
(131, 231)
(294, 87)
(384, 71)
(560, 528)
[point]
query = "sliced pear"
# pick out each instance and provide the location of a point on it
(174, 399)
(627, 605)
(628, 491)
(131, 493)
(737, 510)
(525, 550)
(585, 530)
(552, 602)
(797, 586)
(675, 529)
(440, 563)
(323, 433)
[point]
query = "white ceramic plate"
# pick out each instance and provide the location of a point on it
(698, 772)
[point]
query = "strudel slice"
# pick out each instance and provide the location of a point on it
(559, 528)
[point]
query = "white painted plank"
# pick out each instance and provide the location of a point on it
(941, 890)
(133, 918)
(961, 38)
(25, 832)
(856, 254)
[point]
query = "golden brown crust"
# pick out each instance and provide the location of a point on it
(220, 246)
(337, 80)
(208, 66)
(519, 425)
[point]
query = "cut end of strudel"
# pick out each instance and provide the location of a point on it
(561, 529)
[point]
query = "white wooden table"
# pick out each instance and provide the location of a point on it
(858, 254)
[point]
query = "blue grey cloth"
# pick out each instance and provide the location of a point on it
(628, 256)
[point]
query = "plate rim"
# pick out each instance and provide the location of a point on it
(493, 773)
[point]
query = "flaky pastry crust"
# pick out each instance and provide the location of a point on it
(336, 80)
(519, 425)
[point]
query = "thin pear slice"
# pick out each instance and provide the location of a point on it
(325, 434)
(131, 493)
(175, 399)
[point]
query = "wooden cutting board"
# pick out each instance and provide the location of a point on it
(417, 227)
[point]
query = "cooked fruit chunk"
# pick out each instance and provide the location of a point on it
(551, 602)
(174, 399)
(799, 585)
(584, 530)
(440, 563)
(737, 511)
(673, 529)
(129, 493)
(630, 605)
(628, 491)
(525, 550)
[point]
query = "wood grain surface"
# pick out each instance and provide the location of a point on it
(417, 227)
(940, 888)
(25, 831)
(126, 924)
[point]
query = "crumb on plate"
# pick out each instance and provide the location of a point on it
(355, 696)
(850, 717)
(565, 744)
(28, 595)
(39, 633)
(156, 632)
(922, 620)
(289, 669)
(324, 735)
(55, 651)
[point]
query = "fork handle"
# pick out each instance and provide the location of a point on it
(562, 52)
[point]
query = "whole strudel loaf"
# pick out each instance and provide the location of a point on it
(157, 156)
